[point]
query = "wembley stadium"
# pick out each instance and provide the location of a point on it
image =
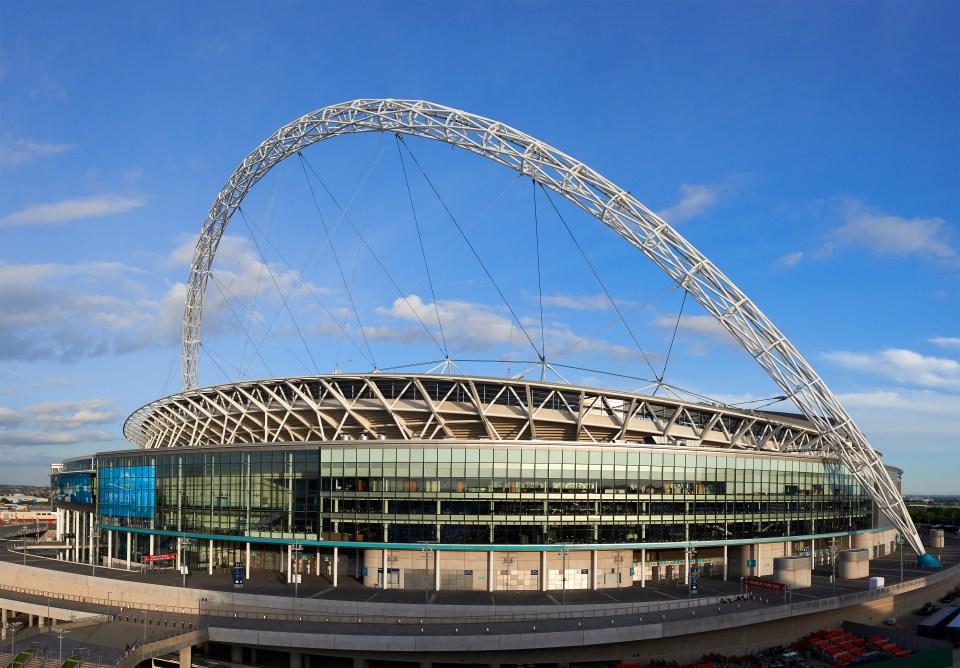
(468, 482)
(497, 478)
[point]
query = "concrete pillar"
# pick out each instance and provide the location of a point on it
(3, 620)
(210, 558)
(686, 564)
(333, 569)
(643, 567)
(383, 568)
(248, 561)
(543, 571)
(490, 586)
(726, 564)
(186, 657)
(359, 663)
(92, 543)
(236, 654)
(75, 522)
(296, 660)
(109, 548)
(594, 575)
(129, 550)
(436, 570)
(153, 544)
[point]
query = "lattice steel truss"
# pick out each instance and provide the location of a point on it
(428, 407)
(602, 199)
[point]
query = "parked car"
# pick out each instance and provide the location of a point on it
(927, 609)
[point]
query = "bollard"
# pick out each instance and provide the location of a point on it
(641, 620)
(488, 630)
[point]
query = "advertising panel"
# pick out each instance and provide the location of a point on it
(74, 488)
(127, 491)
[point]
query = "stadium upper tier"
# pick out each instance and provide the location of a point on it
(428, 407)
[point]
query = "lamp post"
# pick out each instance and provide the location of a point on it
(425, 547)
(10, 626)
(182, 543)
(295, 552)
(60, 633)
(564, 552)
(692, 583)
(900, 545)
(833, 565)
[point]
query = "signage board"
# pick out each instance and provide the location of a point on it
(765, 584)
(150, 558)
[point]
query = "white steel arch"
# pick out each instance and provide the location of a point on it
(614, 207)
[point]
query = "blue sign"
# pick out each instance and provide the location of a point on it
(128, 491)
(694, 581)
(468, 572)
(238, 576)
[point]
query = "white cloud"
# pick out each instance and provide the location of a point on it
(791, 260)
(886, 234)
(696, 330)
(902, 366)
(578, 302)
(56, 423)
(946, 341)
(694, 200)
(904, 421)
(16, 152)
(698, 198)
(72, 209)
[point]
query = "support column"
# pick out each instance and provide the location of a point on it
(726, 564)
(686, 567)
(109, 548)
(333, 569)
(236, 654)
(3, 621)
(490, 586)
(436, 570)
(75, 523)
(643, 567)
(383, 568)
(210, 558)
(287, 564)
(543, 571)
(129, 539)
(594, 575)
(186, 657)
(153, 544)
(296, 660)
(248, 562)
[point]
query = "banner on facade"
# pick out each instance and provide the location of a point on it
(150, 558)
(765, 584)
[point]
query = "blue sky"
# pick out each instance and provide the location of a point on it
(810, 149)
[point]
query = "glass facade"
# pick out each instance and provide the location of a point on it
(489, 494)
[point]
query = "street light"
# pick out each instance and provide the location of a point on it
(60, 633)
(900, 545)
(427, 551)
(564, 552)
(692, 570)
(182, 543)
(10, 626)
(295, 551)
(833, 565)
